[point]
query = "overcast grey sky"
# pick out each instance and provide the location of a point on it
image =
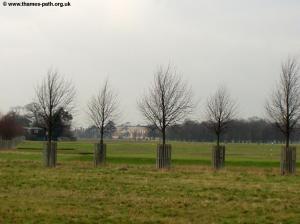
(236, 43)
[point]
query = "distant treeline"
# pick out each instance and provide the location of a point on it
(242, 130)
(254, 129)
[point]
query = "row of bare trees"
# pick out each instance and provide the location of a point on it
(167, 102)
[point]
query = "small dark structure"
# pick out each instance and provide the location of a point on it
(34, 133)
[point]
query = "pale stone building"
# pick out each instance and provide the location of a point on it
(130, 132)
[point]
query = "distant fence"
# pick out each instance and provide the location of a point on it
(10, 144)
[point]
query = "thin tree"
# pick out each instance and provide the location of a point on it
(284, 105)
(53, 95)
(220, 111)
(168, 101)
(102, 109)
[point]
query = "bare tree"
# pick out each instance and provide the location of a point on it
(53, 95)
(284, 105)
(220, 111)
(102, 108)
(168, 101)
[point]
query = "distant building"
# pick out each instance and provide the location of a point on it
(34, 133)
(131, 132)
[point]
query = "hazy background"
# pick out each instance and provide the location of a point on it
(236, 43)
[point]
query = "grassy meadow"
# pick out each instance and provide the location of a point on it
(128, 189)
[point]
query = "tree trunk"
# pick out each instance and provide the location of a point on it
(218, 139)
(101, 135)
(50, 154)
(49, 136)
(164, 136)
(99, 154)
(218, 157)
(163, 156)
(287, 139)
(50, 127)
(288, 160)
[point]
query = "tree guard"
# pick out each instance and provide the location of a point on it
(163, 156)
(99, 154)
(50, 154)
(288, 160)
(218, 157)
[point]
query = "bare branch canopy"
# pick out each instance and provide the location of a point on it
(283, 107)
(167, 102)
(220, 111)
(53, 95)
(102, 108)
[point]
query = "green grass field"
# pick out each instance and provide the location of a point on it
(130, 190)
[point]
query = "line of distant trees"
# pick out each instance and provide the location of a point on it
(253, 129)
